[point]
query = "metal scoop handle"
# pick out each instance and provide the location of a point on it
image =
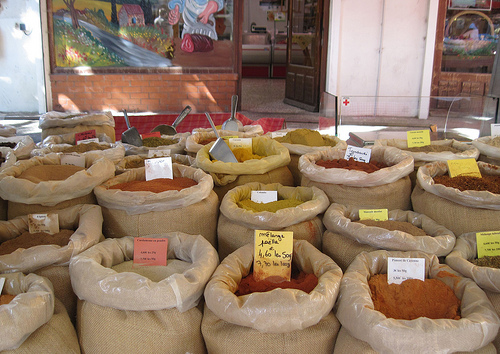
(181, 116)
(212, 124)
(125, 115)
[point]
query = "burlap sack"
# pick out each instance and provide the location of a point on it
(24, 145)
(488, 153)
(114, 152)
(461, 212)
(193, 210)
(176, 148)
(236, 226)
(123, 310)
(477, 327)
(61, 123)
(136, 161)
(347, 237)
(52, 261)
(270, 169)
(388, 188)
(26, 197)
(7, 130)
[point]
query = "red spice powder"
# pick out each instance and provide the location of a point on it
(352, 164)
(156, 185)
(488, 183)
(299, 280)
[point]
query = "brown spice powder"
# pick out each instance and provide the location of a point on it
(352, 164)
(6, 299)
(156, 185)
(433, 148)
(487, 261)
(40, 173)
(27, 240)
(84, 147)
(393, 225)
(488, 183)
(299, 280)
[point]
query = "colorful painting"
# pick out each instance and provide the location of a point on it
(133, 33)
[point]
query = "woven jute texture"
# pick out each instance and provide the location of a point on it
(99, 129)
(222, 337)
(495, 301)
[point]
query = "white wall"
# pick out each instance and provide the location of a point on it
(21, 61)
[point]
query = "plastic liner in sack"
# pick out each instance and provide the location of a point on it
(34, 321)
(136, 161)
(270, 169)
(123, 310)
(177, 147)
(193, 142)
(277, 321)
(488, 152)
(236, 226)
(7, 130)
(113, 151)
(297, 150)
(24, 145)
(26, 197)
(61, 123)
(388, 187)
(51, 261)
(461, 212)
(477, 327)
(10, 159)
(192, 210)
(346, 238)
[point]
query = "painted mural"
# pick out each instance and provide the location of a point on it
(134, 33)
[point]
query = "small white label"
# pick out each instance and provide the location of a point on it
(264, 196)
(495, 129)
(48, 223)
(159, 153)
(277, 134)
(358, 154)
(236, 143)
(401, 269)
(2, 282)
(158, 168)
(85, 141)
(73, 159)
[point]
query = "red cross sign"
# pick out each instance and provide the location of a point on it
(346, 101)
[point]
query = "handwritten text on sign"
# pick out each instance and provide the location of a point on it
(150, 251)
(488, 243)
(273, 255)
(358, 154)
(373, 214)
(401, 269)
(86, 135)
(158, 168)
(463, 167)
(418, 138)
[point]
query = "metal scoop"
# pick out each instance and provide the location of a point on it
(165, 129)
(220, 150)
(131, 135)
(232, 124)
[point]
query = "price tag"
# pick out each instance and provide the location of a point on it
(227, 137)
(86, 141)
(358, 154)
(401, 269)
(495, 129)
(277, 134)
(273, 255)
(488, 243)
(264, 196)
(73, 159)
(418, 138)
(86, 135)
(158, 168)
(48, 223)
(2, 283)
(240, 143)
(159, 153)
(151, 135)
(373, 214)
(463, 167)
(149, 251)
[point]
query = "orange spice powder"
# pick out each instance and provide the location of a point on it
(156, 185)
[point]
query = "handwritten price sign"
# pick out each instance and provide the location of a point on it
(273, 255)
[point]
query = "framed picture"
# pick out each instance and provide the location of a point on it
(478, 5)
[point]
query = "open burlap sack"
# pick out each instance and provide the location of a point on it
(61, 123)
(24, 145)
(136, 161)
(177, 147)
(114, 151)
(120, 309)
(388, 187)
(488, 152)
(51, 261)
(270, 169)
(281, 320)
(236, 226)
(192, 210)
(347, 238)
(26, 197)
(477, 327)
(461, 212)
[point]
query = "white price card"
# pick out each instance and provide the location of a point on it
(358, 154)
(277, 134)
(73, 159)
(264, 196)
(48, 223)
(495, 129)
(159, 153)
(86, 141)
(240, 143)
(158, 168)
(401, 269)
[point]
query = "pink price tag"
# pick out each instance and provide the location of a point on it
(151, 135)
(89, 134)
(149, 251)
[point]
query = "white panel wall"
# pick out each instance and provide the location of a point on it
(21, 64)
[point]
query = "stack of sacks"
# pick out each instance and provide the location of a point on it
(151, 308)
(366, 330)
(192, 210)
(345, 238)
(236, 226)
(304, 141)
(41, 184)
(34, 321)
(20, 145)
(175, 144)
(461, 212)
(488, 278)
(272, 168)
(202, 137)
(276, 321)
(66, 124)
(136, 161)
(112, 151)
(388, 188)
(51, 260)
(489, 148)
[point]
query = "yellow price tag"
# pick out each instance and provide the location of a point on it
(373, 214)
(463, 167)
(488, 243)
(273, 255)
(229, 137)
(418, 138)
